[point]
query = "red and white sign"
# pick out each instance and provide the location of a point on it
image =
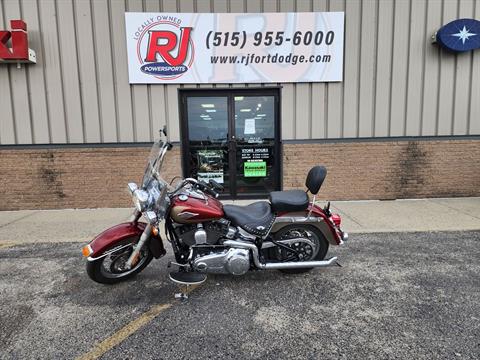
(18, 51)
(234, 48)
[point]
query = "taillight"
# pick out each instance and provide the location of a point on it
(337, 220)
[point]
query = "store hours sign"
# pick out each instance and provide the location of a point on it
(169, 48)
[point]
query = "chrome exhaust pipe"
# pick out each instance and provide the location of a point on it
(300, 264)
(278, 266)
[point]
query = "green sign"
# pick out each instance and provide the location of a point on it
(255, 169)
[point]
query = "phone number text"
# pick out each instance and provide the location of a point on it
(239, 38)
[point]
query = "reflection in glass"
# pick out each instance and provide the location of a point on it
(208, 131)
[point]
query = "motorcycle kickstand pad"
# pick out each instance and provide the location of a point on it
(186, 279)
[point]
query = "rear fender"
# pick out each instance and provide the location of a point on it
(116, 234)
(319, 220)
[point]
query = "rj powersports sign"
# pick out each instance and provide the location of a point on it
(234, 48)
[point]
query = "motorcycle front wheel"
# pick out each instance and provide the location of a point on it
(302, 252)
(111, 269)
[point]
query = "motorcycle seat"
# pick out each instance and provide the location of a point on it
(287, 201)
(256, 218)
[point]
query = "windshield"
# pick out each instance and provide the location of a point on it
(152, 170)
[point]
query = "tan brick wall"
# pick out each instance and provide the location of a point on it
(388, 169)
(74, 177)
(97, 177)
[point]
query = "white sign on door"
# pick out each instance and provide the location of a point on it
(168, 48)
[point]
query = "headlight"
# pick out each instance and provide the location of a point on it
(141, 199)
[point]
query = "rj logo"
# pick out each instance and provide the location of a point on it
(163, 42)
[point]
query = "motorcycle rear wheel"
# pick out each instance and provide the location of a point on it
(314, 235)
(109, 270)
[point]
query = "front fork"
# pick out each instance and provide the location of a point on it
(134, 256)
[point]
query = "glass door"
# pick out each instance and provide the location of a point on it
(232, 136)
(207, 121)
(255, 144)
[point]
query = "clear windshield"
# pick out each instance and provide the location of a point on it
(152, 170)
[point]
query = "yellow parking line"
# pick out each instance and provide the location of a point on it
(6, 244)
(117, 338)
(112, 341)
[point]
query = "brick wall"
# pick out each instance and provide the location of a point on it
(97, 177)
(74, 177)
(387, 169)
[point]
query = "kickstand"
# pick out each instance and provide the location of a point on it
(183, 294)
(338, 264)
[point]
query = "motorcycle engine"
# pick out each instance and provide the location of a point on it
(227, 261)
(209, 233)
(207, 257)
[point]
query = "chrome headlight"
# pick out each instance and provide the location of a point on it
(140, 199)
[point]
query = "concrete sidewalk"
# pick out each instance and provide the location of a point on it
(453, 214)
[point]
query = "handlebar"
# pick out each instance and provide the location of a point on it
(209, 188)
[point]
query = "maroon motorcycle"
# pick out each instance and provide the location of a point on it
(288, 233)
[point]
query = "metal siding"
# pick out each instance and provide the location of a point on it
(351, 78)
(396, 82)
(401, 32)
(51, 65)
(462, 79)
(474, 114)
(447, 77)
(318, 91)
(88, 78)
(335, 95)
(105, 71)
(367, 68)
(383, 74)
(431, 78)
(36, 80)
(123, 90)
(69, 58)
(415, 68)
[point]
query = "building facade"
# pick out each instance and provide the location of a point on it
(403, 123)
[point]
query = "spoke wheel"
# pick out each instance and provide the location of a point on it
(300, 251)
(112, 269)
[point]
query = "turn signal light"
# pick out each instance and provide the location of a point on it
(87, 250)
(337, 220)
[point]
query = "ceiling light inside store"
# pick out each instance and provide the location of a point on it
(245, 110)
(208, 105)
(238, 98)
(261, 115)
(211, 110)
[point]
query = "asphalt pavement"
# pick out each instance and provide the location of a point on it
(408, 295)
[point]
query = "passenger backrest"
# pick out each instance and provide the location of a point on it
(315, 178)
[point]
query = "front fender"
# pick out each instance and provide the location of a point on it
(115, 235)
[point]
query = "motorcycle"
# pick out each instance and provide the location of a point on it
(289, 232)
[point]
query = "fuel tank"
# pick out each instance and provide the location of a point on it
(187, 209)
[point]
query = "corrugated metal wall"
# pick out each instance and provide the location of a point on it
(396, 83)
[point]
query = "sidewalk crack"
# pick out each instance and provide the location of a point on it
(18, 219)
(453, 208)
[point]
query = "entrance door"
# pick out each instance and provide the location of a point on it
(232, 136)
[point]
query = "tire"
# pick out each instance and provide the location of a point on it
(98, 272)
(316, 236)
